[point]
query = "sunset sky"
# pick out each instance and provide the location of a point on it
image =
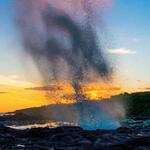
(127, 45)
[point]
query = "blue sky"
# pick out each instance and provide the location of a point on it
(129, 34)
(8, 43)
(129, 24)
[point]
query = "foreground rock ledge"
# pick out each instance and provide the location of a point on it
(74, 138)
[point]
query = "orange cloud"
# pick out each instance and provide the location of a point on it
(3, 92)
(46, 88)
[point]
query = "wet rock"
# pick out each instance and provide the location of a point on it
(125, 130)
(100, 144)
(74, 138)
(142, 148)
(136, 142)
(85, 144)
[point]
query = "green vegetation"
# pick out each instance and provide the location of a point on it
(137, 104)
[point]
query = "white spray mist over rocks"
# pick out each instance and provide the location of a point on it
(94, 115)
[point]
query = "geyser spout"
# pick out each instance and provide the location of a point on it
(58, 39)
(64, 45)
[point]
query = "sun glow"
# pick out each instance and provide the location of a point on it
(64, 93)
(98, 91)
(14, 98)
(93, 95)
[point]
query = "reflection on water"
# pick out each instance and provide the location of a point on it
(6, 114)
(89, 118)
(46, 125)
(101, 124)
(105, 125)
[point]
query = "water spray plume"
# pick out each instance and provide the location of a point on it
(61, 37)
(56, 39)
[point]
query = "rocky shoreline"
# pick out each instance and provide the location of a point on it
(75, 138)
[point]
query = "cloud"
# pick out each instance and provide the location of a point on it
(115, 88)
(147, 88)
(45, 88)
(144, 89)
(139, 81)
(121, 51)
(14, 80)
(3, 92)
